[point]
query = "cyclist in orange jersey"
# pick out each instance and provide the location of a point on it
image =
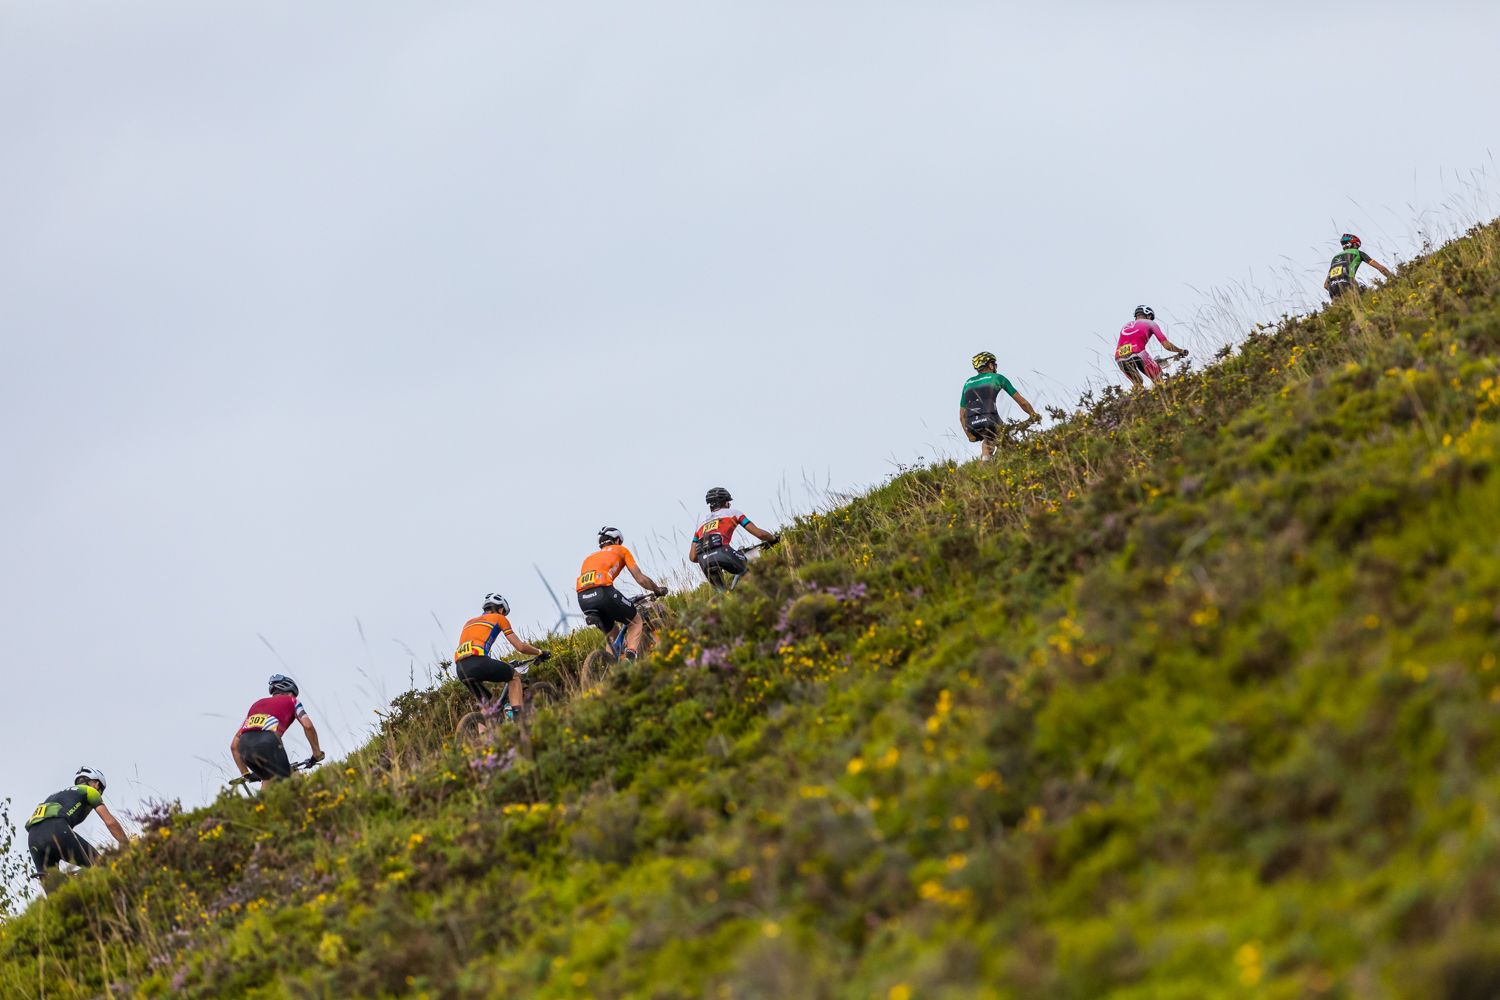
(603, 605)
(472, 662)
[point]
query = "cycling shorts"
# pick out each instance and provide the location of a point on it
(984, 426)
(474, 671)
(265, 756)
(1142, 364)
(53, 841)
(1338, 288)
(606, 604)
(720, 561)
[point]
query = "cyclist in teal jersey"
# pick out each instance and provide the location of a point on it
(978, 404)
(1345, 263)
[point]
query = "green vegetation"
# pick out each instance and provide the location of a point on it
(1193, 695)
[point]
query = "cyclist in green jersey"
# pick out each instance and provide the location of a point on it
(978, 405)
(1341, 269)
(49, 831)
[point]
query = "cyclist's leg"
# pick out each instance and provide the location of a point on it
(633, 636)
(1150, 367)
(1131, 368)
(43, 841)
(76, 850)
(479, 671)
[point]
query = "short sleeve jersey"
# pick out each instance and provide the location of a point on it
(716, 528)
(601, 568)
(72, 804)
(479, 635)
(981, 393)
(1345, 263)
(1135, 335)
(272, 715)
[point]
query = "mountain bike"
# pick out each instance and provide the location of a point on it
(483, 723)
(301, 765)
(597, 663)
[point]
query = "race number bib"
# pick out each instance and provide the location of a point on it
(259, 720)
(588, 579)
(1124, 351)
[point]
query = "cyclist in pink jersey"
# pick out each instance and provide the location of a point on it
(1131, 356)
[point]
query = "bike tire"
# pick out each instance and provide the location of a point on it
(541, 695)
(475, 729)
(595, 666)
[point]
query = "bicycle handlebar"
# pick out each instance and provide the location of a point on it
(301, 765)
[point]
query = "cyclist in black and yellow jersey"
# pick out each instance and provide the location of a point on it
(50, 831)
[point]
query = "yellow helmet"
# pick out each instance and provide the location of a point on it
(983, 358)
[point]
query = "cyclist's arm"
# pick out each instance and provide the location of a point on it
(758, 532)
(693, 551)
(1379, 267)
(1023, 404)
(112, 824)
(522, 646)
(312, 735)
(644, 580)
(1161, 337)
(234, 751)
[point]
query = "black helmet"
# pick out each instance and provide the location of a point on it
(610, 536)
(282, 684)
(717, 497)
(1145, 311)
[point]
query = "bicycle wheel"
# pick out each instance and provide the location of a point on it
(476, 729)
(595, 666)
(541, 695)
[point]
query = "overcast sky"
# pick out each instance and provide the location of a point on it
(326, 316)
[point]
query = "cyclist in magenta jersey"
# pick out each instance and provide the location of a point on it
(710, 547)
(1131, 356)
(257, 748)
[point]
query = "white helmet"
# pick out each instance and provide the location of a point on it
(497, 602)
(89, 774)
(610, 536)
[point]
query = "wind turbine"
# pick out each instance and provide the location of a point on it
(563, 614)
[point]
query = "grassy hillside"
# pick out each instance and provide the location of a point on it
(1193, 695)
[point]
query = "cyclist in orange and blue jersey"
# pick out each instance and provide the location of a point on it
(474, 665)
(604, 606)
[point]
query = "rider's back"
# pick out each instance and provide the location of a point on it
(602, 567)
(1137, 333)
